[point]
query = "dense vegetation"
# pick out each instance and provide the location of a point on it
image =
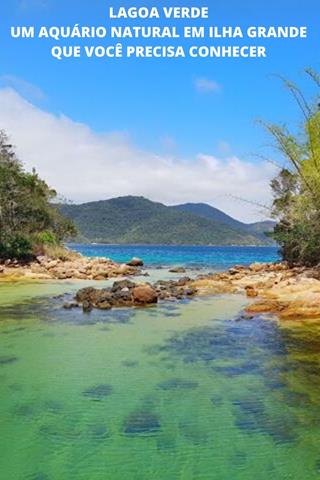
(138, 220)
(28, 221)
(207, 211)
(296, 189)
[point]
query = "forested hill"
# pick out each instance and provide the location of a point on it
(212, 213)
(140, 221)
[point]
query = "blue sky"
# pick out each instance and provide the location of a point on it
(155, 103)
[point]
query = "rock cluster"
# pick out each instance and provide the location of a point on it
(291, 293)
(77, 267)
(125, 293)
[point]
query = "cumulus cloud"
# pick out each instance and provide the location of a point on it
(84, 165)
(205, 85)
(26, 89)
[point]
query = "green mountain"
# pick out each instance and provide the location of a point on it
(212, 213)
(141, 221)
(262, 227)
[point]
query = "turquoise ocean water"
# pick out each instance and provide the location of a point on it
(201, 256)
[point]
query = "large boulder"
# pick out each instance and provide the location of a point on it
(87, 293)
(122, 269)
(135, 262)
(121, 284)
(144, 294)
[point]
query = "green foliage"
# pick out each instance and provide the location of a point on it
(27, 217)
(140, 221)
(46, 238)
(15, 246)
(296, 189)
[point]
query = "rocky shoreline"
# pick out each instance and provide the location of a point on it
(292, 293)
(75, 267)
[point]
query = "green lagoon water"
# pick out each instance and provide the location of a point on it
(182, 391)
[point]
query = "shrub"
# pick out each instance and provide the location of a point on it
(17, 247)
(28, 220)
(46, 238)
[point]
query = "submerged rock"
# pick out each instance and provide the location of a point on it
(177, 270)
(177, 384)
(54, 406)
(70, 305)
(7, 360)
(24, 410)
(98, 431)
(142, 422)
(86, 306)
(252, 417)
(98, 392)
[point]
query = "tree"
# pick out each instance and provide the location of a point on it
(296, 189)
(27, 216)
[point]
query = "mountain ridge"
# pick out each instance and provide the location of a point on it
(207, 211)
(137, 220)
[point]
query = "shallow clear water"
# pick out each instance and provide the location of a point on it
(200, 256)
(178, 391)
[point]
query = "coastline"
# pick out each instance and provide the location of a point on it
(74, 267)
(289, 292)
(229, 245)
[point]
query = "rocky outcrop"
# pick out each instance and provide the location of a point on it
(77, 267)
(291, 293)
(135, 262)
(125, 293)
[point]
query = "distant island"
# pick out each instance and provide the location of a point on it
(137, 220)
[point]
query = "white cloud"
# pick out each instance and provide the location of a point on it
(26, 89)
(83, 165)
(205, 85)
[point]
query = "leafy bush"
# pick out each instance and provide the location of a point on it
(17, 247)
(46, 238)
(27, 217)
